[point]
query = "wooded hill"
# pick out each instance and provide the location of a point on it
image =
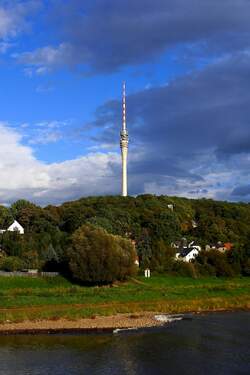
(146, 219)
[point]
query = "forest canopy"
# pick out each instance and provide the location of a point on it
(152, 222)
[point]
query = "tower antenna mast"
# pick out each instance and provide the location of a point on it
(124, 144)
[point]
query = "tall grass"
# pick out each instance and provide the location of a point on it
(53, 298)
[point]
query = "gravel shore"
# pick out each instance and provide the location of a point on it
(98, 323)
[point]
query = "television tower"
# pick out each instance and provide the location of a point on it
(124, 144)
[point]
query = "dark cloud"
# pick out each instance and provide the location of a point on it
(206, 110)
(106, 35)
(198, 191)
(241, 191)
(112, 33)
(194, 127)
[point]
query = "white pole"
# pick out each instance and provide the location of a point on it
(124, 172)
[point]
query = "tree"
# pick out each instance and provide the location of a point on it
(12, 243)
(20, 205)
(144, 248)
(216, 261)
(51, 259)
(6, 217)
(96, 256)
(162, 257)
(31, 260)
(11, 264)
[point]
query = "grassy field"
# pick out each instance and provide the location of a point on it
(24, 298)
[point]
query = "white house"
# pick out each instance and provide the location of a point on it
(194, 224)
(188, 253)
(14, 227)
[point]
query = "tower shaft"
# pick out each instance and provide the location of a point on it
(124, 145)
(124, 172)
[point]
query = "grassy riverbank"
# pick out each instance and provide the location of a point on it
(26, 298)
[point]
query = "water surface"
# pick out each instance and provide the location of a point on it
(207, 344)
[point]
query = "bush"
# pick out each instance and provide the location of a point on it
(162, 257)
(98, 257)
(11, 264)
(31, 260)
(184, 269)
(214, 262)
(246, 268)
(205, 269)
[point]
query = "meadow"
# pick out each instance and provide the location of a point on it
(34, 298)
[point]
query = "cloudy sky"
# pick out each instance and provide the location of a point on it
(186, 64)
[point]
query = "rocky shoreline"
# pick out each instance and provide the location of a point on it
(99, 324)
(86, 325)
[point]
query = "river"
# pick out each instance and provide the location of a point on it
(217, 343)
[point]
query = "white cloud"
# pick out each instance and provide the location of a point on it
(97, 173)
(9, 23)
(23, 176)
(18, 166)
(13, 17)
(4, 46)
(46, 132)
(42, 60)
(45, 137)
(44, 88)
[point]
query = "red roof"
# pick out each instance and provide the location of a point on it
(228, 245)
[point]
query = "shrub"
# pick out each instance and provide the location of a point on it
(184, 269)
(162, 257)
(205, 269)
(219, 262)
(246, 268)
(31, 260)
(96, 256)
(11, 264)
(214, 260)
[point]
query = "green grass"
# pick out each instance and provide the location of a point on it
(41, 298)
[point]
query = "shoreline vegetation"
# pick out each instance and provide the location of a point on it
(43, 305)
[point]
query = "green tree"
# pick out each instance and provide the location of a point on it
(216, 261)
(162, 257)
(12, 243)
(11, 264)
(96, 256)
(6, 217)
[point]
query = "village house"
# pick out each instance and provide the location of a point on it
(194, 224)
(14, 227)
(186, 252)
(222, 247)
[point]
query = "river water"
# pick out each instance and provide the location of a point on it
(216, 343)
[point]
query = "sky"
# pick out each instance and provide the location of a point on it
(186, 64)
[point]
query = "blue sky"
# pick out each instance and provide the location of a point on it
(187, 68)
